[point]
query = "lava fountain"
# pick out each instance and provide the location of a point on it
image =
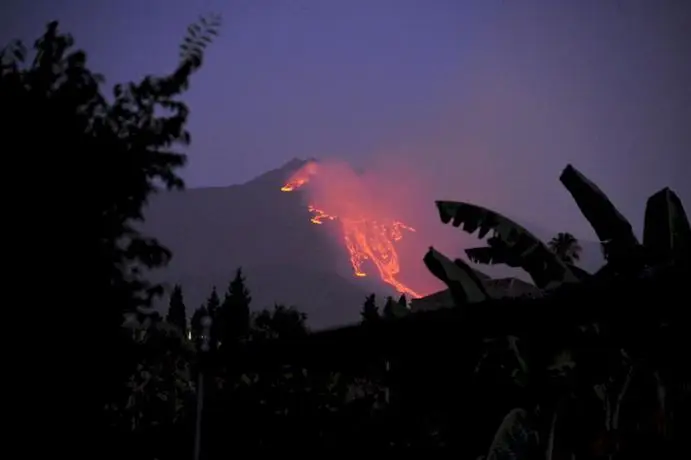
(365, 238)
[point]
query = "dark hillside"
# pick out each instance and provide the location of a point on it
(213, 231)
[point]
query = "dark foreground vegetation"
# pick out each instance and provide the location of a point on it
(595, 368)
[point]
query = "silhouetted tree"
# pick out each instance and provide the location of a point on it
(402, 301)
(213, 308)
(280, 323)
(196, 323)
(234, 315)
(177, 315)
(95, 161)
(213, 303)
(161, 397)
(395, 308)
(370, 311)
(389, 308)
(566, 247)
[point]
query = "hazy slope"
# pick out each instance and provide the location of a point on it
(213, 231)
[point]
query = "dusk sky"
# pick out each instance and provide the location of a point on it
(485, 100)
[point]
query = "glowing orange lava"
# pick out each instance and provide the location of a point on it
(365, 239)
(301, 177)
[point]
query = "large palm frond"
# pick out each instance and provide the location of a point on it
(611, 227)
(463, 282)
(667, 234)
(510, 243)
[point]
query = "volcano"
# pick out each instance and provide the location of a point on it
(271, 234)
(306, 235)
(368, 235)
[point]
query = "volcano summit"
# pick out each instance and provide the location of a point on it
(272, 235)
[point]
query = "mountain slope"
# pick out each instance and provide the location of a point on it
(213, 231)
(286, 259)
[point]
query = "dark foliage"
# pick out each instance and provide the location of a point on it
(402, 301)
(177, 312)
(432, 379)
(234, 314)
(90, 163)
(439, 396)
(196, 322)
(370, 311)
(389, 308)
(280, 323)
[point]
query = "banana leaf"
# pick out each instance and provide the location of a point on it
(464, 284)
(494, 254)
(510, 243)
(491, 255)
(667, 234)
(611, 227)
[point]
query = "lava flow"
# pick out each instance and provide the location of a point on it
(365, 239)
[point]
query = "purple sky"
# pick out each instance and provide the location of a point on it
(489, 98)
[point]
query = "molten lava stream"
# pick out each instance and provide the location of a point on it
(319, 215)
(365, 239)
(370, 240)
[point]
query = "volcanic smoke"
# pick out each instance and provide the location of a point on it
(367, 235)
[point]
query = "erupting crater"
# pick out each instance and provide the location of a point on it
(366, 239)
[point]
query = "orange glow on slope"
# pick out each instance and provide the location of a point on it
(319, 215)
(365, 239)
(301, 177)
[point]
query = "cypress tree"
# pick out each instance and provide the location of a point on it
(370, 311)
(235, 310)
(177, 314)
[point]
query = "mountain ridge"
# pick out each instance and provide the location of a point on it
(213, 231)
